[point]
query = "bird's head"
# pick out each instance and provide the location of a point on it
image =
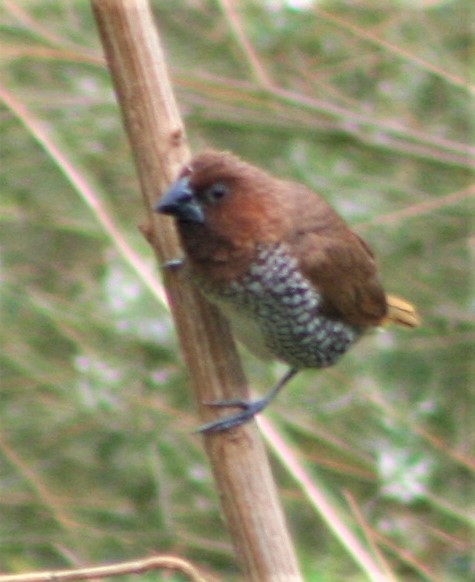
(222, 203)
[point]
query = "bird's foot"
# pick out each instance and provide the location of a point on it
(249, 408)
(173, 264)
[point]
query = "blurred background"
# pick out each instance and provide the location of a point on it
(367, 103)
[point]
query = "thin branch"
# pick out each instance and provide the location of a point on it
(416, 210)
(396, 50)
(323, 505)
(360, 519)
(42, 491)
(86, 191)
(382, 133)
(234, 21)
(135, 567)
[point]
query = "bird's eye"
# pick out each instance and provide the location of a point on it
(216, 192)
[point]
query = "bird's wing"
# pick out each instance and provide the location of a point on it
(336, 261)
(343, 271)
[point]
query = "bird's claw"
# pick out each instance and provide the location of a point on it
(243, 404)
(173, 264)
(249, 410)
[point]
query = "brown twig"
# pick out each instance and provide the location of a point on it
(258, 71)
(432, 205)
(396, 49)
(157, 137)
(135, 567)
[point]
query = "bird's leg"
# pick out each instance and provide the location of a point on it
(249, 407)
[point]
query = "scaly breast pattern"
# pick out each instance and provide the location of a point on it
(274, 303)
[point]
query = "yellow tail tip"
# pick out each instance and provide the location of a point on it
(401, 312)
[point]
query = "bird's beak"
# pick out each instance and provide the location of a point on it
(180, 202)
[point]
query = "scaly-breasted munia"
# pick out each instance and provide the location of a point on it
(296, 283)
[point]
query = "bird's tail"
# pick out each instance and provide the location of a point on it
(401, 312)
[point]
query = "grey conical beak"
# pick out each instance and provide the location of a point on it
(180, 201)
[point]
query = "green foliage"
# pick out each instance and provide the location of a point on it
(367, 104)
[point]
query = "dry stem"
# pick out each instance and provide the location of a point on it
(156, 134)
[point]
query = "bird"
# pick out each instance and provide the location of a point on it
(297, 284)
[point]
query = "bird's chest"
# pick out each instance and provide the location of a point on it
(277, 313)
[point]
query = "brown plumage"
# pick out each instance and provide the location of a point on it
(296, 282)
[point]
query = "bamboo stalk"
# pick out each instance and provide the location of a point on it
(156, 134)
